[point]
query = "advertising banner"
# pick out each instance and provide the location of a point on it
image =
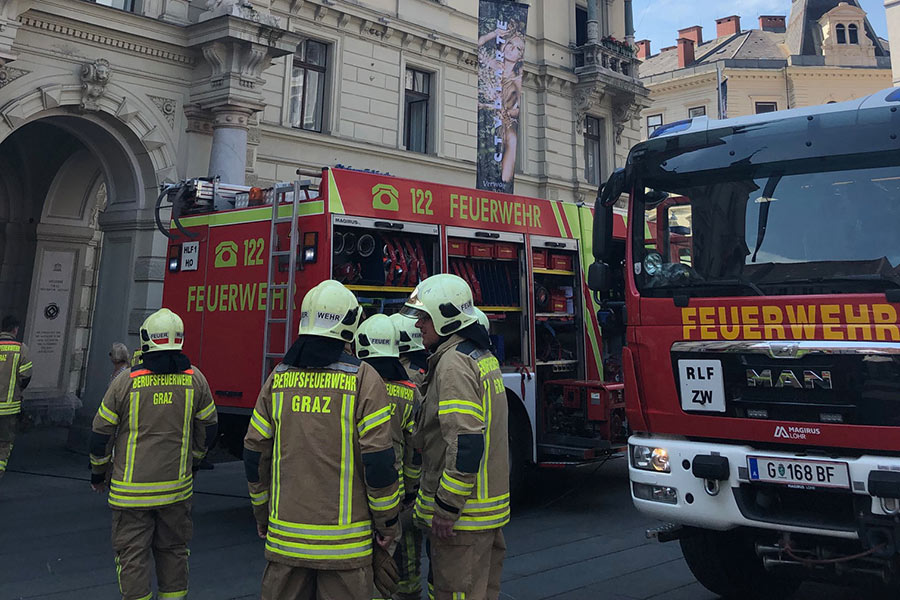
(501, 53)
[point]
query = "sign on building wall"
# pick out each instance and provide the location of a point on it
(501, 53)
(51, 316)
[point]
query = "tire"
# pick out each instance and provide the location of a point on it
(519, 454)
(725, 563)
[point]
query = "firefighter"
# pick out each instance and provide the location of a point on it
(152, 416)
(378, 344)
(483, 320)
(412, 353)
(15, 373)
(320, 462)
(463, 498)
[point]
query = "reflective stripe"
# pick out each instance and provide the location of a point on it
(430, 591)
(385, 503)
(131, 446)
(116, 485)
(468, 523)
(277, 403)
(12, 377)
(473, 505)
(342, 366)
(347, 458)
(261, 425)
(455, 486)
(166, 595)
(186, 432)
(25, 367)
(10, 408)
(100, 460)
(206, 412)
(320, 551)
(321, 532)
(487, 399)
(148, 501)
(411, 471)
(2, 465)
(462, 409)
(459, 596)
(259, 499)
(374, 420)
(199, 454)
(107, 414)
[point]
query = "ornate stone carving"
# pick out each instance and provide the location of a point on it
(238, 8)
(94, 77)
(10, 74)
(585, 98)
(167, 107)
(623, 114)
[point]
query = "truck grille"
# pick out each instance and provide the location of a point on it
(855, 383)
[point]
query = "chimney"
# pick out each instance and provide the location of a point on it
(643, 49)
(685, 52)
(692, 33)
(728, 26)
(773, 23)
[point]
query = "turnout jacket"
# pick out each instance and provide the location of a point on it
(155, 421)
(15, 372)
(463, 430)
(404, 398)
(417, 376)
(320, 464)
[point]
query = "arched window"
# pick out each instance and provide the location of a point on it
(854, 34)
(841, 34)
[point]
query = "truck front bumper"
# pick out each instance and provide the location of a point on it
(729, 499)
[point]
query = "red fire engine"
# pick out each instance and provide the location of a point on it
(241, 259)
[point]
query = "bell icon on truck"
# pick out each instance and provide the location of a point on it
(385, 197)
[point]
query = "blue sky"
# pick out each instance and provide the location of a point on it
(660, 20)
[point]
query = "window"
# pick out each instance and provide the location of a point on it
(593, 150)
(418, 98)
(841, 34)
(580, 26)
(697, 111)
(854, 34)
(120, 4)
(654, 122)
(308, 86)
(766, 107)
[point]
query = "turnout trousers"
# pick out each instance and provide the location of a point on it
(162, 532)
(408, 557)
(467, 566)
(285, 582)
(7, 438)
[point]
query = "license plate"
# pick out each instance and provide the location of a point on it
(790, 471)
(701, 385)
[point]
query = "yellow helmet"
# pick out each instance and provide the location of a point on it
(483, 319)
(163, 330)
(377, 338)
(447, 299)
(409, 335)
(330, 310)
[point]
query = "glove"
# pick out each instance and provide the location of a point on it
(386, 574)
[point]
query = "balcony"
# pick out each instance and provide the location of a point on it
(608, 57)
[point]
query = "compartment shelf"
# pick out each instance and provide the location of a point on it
(555, 363)
(499, 309)
(553, 272)
(560, 315)
(379, 288)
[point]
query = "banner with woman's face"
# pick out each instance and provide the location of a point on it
(501, 54)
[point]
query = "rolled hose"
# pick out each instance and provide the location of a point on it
(365, 247)
(176, 210)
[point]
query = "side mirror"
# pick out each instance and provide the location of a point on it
(599, 277)
(613, 188)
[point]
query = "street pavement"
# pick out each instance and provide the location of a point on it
(578, 537)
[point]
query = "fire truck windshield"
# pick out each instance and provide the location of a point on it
(824, 226)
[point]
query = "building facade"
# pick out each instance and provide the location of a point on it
(826, 51)
(101, 102)
(892, 12)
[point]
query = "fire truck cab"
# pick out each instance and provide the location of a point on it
(240, 261)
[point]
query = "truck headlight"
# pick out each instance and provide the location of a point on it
(648, 458)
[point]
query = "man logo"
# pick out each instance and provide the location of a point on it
(781, 432)
(385, 197)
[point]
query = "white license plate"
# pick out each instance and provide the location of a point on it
(790, 471)
(701, 385)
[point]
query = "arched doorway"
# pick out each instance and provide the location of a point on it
(76, 247)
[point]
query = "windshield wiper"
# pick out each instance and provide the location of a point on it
(763, 221)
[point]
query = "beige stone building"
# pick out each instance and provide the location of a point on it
(825, 51)
(892, 11)
(102, 101)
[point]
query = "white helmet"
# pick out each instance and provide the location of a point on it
(377, 338)
(446, 299)
(330, 310)
(163, 330)
(483, 319)
(409, 335)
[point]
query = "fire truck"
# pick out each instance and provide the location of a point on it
(762, 361)
(241, 259)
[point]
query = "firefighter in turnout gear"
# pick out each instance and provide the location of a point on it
(320, 461)
(378, 344)
(159, 418)
(15, 373)
(412, 353)
(463, 498)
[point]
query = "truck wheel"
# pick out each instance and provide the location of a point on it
(519, 455)
(725, 563)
